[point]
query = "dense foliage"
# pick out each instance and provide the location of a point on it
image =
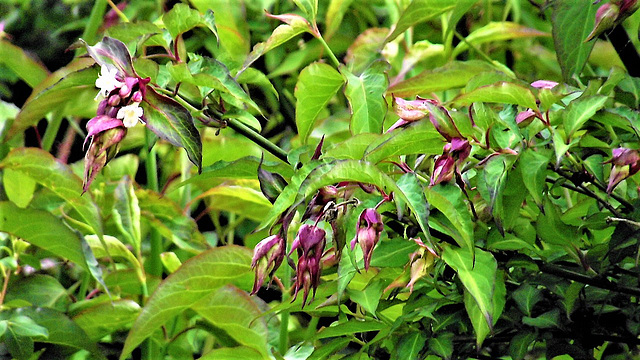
(340, 179)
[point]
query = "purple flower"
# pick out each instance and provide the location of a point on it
(368, 233)
(267, 257)
(310, 244)
(453, 153)
(626, 162)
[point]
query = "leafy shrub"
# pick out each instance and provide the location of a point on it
(417, 179)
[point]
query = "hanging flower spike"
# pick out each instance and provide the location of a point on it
(309, 243)
(104, 133)
(626, 162)
(107, 81)
(368, 233)
(130, 114)
(453, 154)
(267, 257)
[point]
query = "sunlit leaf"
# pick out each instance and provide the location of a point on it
(497, 31)
(181, 18)
(28, 69)
(420, 11)
(580, 111)
(502, 92)
(366, 98)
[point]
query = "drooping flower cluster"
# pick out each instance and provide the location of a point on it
(626, 162)
(368, 233)
(267, 257)
(121, 91)
(309, 244)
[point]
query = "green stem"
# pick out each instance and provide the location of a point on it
(473, 47)
(185, 173)
(84, 285)
(333, 58)
(95, 20)
(284, 315)
(121, 15)
(311, 329)
(155, 264)
(258, 139)
(51, 132)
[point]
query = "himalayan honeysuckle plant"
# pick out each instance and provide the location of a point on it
(339, 179)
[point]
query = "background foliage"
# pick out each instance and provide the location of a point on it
(467, 209)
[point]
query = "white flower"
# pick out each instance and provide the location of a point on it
(107, 80)
(130, 114)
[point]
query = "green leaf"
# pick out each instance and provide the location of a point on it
(181, 18)
(410, 345)
(475, 315)
(316, 85)
(420, 11)
(59, 328)
(533, 168)
(107, 318)
(442, 345)
(116, 249)
(478, 278)
(18, 187)
(43, 230)
(72, 87)
(412, 192)
(39, 290)
(450, 201)
(547, 320)
(455, 74)
(496, 31)
(335, 13)
(350, 327)
(495, 173)
(198, 277)
(295, 26)
(57, 177)
(233, 311)
(242, 197)
(572, 22)
(271, 183)
(19, 347)
(353, 147)
(24, 326)
(310, 8)
(170, 261)
(501, 92)
(366, 98)
(418, 138)
(172, 122)
(328, 348)
(369, 297)
(168, 218)
(235, 353)
(126, 212)
(519, 346)
(393, 252)
(130, 31)
(581, 110)
(210, 74)
(552, 230)
(526, 297)
(29, 70)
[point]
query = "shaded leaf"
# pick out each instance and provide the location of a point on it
(501, 92)
(580, 111)
(235, 353)
(126, 212)
(410, 345)
(497, 31)
(478, 278)
(420, 11)
(455, 74)
(43, 230)
(172, 122)
(107, 318)
(233, 311)
(57, 177)
(68, 89)
(442, 345)
(27, 69)
(572, 21)
(197, 278)
(39, 290)
(350, 327)
(533, 168)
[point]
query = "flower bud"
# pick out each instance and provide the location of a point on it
(606, 17)
(267, 257)
(626, 162)
(412, 110)
(114, 100)
(525, 118)
(102, 107)
(309, 243)
(104, 146)
(544, 84)
(136, 97)
(453, 153)
(368, 233)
